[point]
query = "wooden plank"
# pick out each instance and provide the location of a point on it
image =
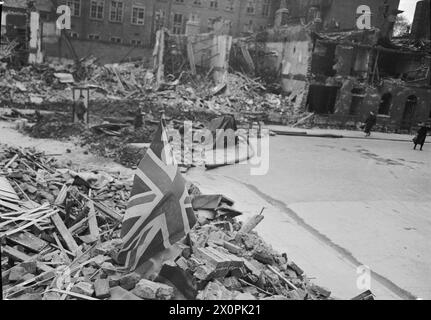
(9, 205)
(191, 57)
(11, 161)
(28, 240)
(6, 189)
(92, 221)
(65, 234)
(108, 211)
(62, 195)
(22, 257)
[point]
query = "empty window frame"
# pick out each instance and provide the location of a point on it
(96, 9)
(138, 15)
(116, 11)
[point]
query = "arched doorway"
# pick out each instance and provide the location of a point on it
(409, 112)
(385, 104)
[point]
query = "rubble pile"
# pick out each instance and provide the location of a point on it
(56, 126)
(50, 86)
(60, 239)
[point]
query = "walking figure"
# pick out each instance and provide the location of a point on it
(370, 123)
(421, 136)
(80, 108)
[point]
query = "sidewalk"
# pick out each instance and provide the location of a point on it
(340, 133)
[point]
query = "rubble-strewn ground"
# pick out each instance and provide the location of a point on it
(60, 230)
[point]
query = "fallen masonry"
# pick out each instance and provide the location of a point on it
(60, 231)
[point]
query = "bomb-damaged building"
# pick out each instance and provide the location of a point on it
(339, 72)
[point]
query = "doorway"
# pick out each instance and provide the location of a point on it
(409, 112)
(321, 99)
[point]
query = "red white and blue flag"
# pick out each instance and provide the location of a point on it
(159, 212)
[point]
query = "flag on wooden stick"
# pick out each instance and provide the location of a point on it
(159, 212)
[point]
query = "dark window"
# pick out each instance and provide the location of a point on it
(96, 9)
(385, 104)
(75, 7)
(138, 15)
(116, 11)
(265, 8)
(322, 99)
(358, 95)
(178, 26)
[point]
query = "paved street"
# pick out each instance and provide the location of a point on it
(336, 204)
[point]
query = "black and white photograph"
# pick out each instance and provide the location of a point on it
(215, 155)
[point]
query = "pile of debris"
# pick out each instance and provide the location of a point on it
(60, 239)
(56, 126)
(50, 85)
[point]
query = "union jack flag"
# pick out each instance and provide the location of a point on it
(159, 211)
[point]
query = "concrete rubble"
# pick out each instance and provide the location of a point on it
(60, 236)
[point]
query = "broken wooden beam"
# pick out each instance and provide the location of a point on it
(65, 233)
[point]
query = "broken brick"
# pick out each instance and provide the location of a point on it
(101, 288)
(84, 288)
(129, 281)
(147, 289)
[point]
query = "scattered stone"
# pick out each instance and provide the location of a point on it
(101, 288)
(147, 289)
(29, 296)
(129, 281)
(318, 290)
(84, 288)
(118, 293)
(16, 273)
(51, 296)
(245, 296)
(276, 297)
(30, 266)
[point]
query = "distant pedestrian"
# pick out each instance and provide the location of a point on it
(421, 136)
(370, 123)
(80, 108)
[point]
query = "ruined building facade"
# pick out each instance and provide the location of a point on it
(341, 76)
(421, 23)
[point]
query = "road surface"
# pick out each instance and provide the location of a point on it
(334, 205)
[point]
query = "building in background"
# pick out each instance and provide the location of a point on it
(421, 22)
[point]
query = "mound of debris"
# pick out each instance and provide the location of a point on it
(60, 239)
(56, 126)
(188, 97)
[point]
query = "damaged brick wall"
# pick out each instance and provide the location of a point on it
(293, 55)
(397, 117)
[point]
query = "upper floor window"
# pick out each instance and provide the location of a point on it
(178, 24)
(266, 8)
(159, 19)
(116, 14)
(180, 1)
(251, 6)
(214, 4)
(96, 9)
(197, 2)
(75, 7)
(230, 5)
(138, 15)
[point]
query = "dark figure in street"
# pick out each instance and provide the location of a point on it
(370, 123)
(420, 137)
(80, 108)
